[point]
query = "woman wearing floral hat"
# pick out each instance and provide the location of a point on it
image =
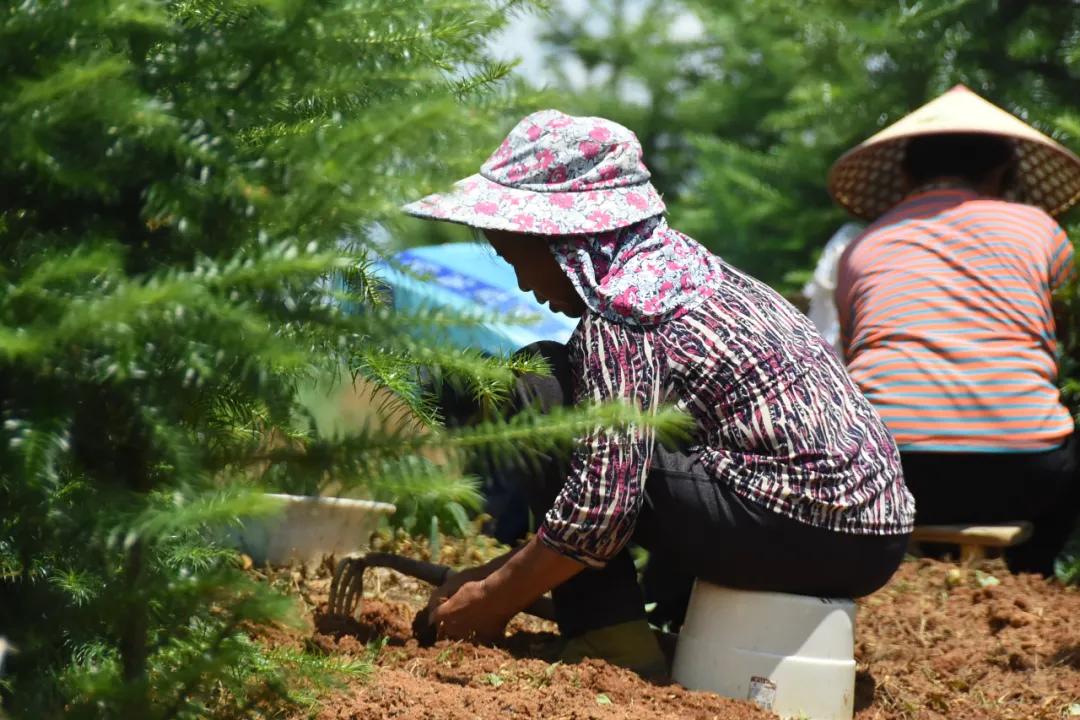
(790, 482)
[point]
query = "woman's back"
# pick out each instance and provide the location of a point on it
(946, 309)
(777, 417)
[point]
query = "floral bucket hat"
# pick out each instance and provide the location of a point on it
(554, 174)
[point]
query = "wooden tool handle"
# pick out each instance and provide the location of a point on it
(429, 572)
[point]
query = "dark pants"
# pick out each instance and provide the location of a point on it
(1041, 488)
(695, 526)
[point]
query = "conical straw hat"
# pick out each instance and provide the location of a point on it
(868, 179)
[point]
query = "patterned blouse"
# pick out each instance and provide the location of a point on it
(777, 419)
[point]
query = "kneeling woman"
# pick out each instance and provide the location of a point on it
(790, 483)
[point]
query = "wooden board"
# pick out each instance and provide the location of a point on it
(1003, 535)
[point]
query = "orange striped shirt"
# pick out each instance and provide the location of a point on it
(947, 325)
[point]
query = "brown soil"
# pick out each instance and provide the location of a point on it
(940, 641)
(461, 681)
(945, 642)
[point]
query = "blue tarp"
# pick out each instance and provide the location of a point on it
(470, 277)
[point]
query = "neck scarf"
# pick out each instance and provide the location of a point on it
(643, 274)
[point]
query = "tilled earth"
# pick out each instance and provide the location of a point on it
(940, 641)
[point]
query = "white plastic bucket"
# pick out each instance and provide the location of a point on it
(791, 654)
(309, 528)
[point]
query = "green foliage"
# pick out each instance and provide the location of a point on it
(741, 121)
(177, 185)
(1067, 565)
(180, 183)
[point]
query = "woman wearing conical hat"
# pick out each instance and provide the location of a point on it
(789, 481)
(946, 313)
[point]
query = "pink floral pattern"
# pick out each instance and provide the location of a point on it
(554, 174)
(642, 275)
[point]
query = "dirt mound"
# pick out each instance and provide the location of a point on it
(940, 641)
(459, 680)
(376, 620)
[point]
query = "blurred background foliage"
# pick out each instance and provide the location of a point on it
(180, 180)
(742, 107)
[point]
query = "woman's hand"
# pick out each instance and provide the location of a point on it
(470, 614)
(442, 593)
(423, 626)
(477, 603)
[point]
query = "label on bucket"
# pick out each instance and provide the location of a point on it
(762, 692)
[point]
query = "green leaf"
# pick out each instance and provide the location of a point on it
(461, 518)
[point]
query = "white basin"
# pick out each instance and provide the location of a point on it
(309, 528)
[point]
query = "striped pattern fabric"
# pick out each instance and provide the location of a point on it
(945, 308)
(777, 419)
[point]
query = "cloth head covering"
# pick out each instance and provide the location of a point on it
(554, 174)
(642, 275)
(868, 180)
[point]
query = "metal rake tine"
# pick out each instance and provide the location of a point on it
(354, 587)
(340, 586)
(335, 586)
